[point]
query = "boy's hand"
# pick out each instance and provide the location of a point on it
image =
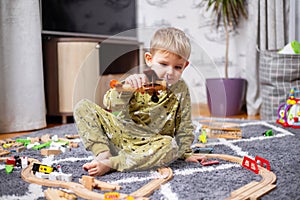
(96, 168)
(196, 158)
(136, 80)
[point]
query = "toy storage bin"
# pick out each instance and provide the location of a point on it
(278, 74)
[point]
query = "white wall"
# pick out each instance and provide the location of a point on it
(208, 45)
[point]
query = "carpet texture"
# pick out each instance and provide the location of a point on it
(191, 180)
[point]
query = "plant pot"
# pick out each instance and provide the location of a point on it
(225, 97)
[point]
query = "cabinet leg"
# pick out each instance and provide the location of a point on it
(64, 119)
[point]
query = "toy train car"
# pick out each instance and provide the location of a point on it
(17, 161)
(42, 168)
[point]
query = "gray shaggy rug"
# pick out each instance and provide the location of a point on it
(191, 180)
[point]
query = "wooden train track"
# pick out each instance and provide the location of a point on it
(54, 194)
(222, 132)
(253, 190)
(81, 191)
(148, 189)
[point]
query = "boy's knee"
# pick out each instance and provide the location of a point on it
(170, 142)
(80, 105)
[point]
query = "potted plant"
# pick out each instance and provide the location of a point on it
(226, 95)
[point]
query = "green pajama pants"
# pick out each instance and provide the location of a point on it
(133, 146)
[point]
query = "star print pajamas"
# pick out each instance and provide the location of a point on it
(144, 134)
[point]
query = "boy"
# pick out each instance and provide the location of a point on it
(146, 133)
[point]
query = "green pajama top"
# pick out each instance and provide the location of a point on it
(144, 134)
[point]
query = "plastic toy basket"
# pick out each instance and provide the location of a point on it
(278, 74)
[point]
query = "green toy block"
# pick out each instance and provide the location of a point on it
(268, 133)
(38, 147)
(24, 141)
(61, 142)
(9, 169)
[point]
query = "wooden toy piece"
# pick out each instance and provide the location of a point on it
(36, 139)
(3, 159)
(198, 145)
(145, 191)
(105, 186)
(18, 149)
(63, 141)
(17, 144)
(45, 138)
(4, 152)
(10, 140)
(219, 132)
(47, 152)
(150, 88)
(87, 182)
(218, 123)
(92, 183)
(73, 144)
(155, 84)
(2, 142)
(72, 136)
(54, 194)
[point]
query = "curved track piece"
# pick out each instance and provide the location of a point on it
(54, 194)
(80, 190)
(77, 188)
(253, 190)
(148, 189)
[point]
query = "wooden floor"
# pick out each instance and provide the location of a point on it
(198, 110)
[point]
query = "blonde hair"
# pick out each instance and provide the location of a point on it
(171, 40)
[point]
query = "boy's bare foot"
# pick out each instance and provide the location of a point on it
(99, 166)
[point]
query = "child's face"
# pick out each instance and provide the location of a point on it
(167, 66)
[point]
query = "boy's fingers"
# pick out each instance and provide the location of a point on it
(93, 171)
(89, 166)
(86, 167)
(136, 80)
